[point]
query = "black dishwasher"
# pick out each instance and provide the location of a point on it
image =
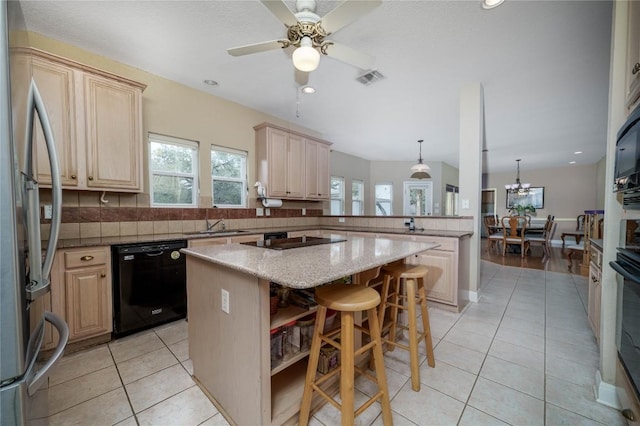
(149, 285)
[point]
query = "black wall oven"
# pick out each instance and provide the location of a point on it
(149, 285)
(627, 264)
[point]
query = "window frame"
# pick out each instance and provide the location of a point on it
(243, 179)
(332, 198)
(360, 200)
(375, 198)
(183, 143)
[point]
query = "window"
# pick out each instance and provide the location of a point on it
(384, 196)
(337, 195)
(357, 198)
(173, 169)
(228, 177)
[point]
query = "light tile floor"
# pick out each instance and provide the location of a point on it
(523, 355)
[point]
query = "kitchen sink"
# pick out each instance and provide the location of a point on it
(219, 233)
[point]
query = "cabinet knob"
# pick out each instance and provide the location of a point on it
(103, 275)
(73, 177)
(86, 258)
(90, 177)
(636, 68)
(628, 414)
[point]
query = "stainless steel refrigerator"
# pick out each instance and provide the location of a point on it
(24, 271)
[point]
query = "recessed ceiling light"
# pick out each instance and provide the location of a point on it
(308, 90)
(490, 4)
(578, 152)
(211, 82)
(572, 162)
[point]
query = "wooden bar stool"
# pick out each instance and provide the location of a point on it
(414, 278)
(346, 299)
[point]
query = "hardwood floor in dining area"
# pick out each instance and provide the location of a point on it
(557, 262)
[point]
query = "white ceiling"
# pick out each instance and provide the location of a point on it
(543, 64)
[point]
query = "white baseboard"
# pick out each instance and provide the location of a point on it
(606, 393)
(471, 296)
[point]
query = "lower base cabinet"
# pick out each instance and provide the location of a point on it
(81, 293)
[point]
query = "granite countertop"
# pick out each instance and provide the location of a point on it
(132, 239)
(310, 266)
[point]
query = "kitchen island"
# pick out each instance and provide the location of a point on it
(229, 318)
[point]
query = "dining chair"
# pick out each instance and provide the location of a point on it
(494, 235)
(545, 239)
(514, 230)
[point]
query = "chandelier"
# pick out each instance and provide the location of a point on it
(518, 188)
(420, 170)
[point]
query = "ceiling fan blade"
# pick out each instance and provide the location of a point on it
(351, 56)
(281, 11)
(347, 12)
(302, 78)
(254, 48)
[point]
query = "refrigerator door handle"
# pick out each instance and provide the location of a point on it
(39, 271)
(41, 375)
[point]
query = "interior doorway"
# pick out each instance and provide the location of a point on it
(487, 207)
(418, 198)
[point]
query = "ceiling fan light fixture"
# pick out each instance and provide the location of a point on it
(490, 4)
(306, 58)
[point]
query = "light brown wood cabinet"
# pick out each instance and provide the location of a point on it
(96, 119)
(291, 165)
(317, 170)
(633, 57)
(595, 290)
(81, 292)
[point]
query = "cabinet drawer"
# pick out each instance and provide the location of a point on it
(446, 244)
(77, 259)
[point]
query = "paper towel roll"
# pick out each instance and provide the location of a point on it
(271, 202)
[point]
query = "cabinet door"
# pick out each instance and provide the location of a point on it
(56, 85)
(311, 173)
(633, 56)
(277, 148)
(440, 285)
(113, 134)
(594, 300)
(323, 172)
(88, 302)
(317, 170)
(295, 167)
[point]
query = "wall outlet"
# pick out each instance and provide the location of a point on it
(225, 301)
(304, 211)
(341, 219)
(267, 212)
(465, 203)
(48, 211)
(259, 211)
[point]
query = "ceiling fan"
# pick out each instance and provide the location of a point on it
(307, 32)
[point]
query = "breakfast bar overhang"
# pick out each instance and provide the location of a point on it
(231, 350)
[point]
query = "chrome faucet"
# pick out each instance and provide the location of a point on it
(211, 225)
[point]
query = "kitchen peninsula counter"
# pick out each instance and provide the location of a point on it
(230, 321)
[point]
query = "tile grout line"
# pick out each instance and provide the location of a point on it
(466, 403)
(124, 388)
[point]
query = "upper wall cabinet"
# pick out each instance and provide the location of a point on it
(96, 119)
(317, 170)
(291, 165)
(633, 57)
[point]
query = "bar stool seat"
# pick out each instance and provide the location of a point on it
(346, 299)
(414, 279)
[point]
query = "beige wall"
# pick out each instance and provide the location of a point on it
(172, 109)
(350, 167)
(397, 172)
(568, 191)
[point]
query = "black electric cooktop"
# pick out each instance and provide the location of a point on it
(289, 243)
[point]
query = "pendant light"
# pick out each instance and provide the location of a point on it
(518, 188)
(420, 170)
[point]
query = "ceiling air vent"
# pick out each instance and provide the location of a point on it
(370, 77)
